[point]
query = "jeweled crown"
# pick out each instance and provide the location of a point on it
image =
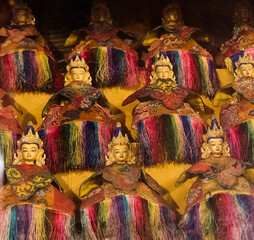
(118, 138)
(78, 62)
(30, 136)
(246, 59)
(215, 131)
(162, 61)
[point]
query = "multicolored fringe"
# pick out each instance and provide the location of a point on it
(29, 71)
(231, 61)
(240, 140)
(127, 217)
(78, 145)
(31, 222)
(111, 67)
(170, 138)
(8, 145)
(192, 71)
(223, 216)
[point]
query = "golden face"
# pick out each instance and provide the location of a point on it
(247, 70)
(79, 74)
(163, 72)
(29, 152)
(22, 17)
(172, 16)
(216, 146)
(120, 153)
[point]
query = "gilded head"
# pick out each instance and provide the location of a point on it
(78, 70)
(244, 67)
(30, 148)
(162, 69)
(22, 15)
(215, 143)
(119, 149)
(171, 14)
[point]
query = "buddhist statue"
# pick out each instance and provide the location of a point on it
(192, 65)
(243, 35)
(236, 114)
(105, 48)
(32, 204)
(77, 123)
(168, 118)
(122, 201)
(220, 201)
(26, 63)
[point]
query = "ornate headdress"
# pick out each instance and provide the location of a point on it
(30, 136)
(119, 139)
(77, 62)
(23, 6)
(161, 61)
(246, 59)
(101, 6)
(215, 131)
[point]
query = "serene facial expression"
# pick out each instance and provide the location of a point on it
(216, 146)
(163, 72)
(22, 17)
(29, 152)
(78, 74)
(120, 153)
(247, 70)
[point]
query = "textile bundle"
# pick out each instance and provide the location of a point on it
(35, 223)
(240, 140)
(29, 71)
(222, 216)
(8, 145)
(192, 71)
(111, 67)
(231, 61)
(78, 145)
(170, 138)
(127, 217)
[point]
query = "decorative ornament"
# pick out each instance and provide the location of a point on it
(161, 61)
(30, 136)
(246, 59)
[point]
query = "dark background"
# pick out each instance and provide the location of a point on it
(138, 16)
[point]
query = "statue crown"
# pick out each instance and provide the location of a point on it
(30, 136)
(162, 61)
(215, 131)
(119, 138)
(246, 59)
(78, 62)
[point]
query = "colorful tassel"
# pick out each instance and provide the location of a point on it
(127, 217)
(8, 145)
(29, 71)
(240, 140)
(35, 223)
(78, 145)
(170, 138)
(223, 216)
(192, 71)
(111, 67)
